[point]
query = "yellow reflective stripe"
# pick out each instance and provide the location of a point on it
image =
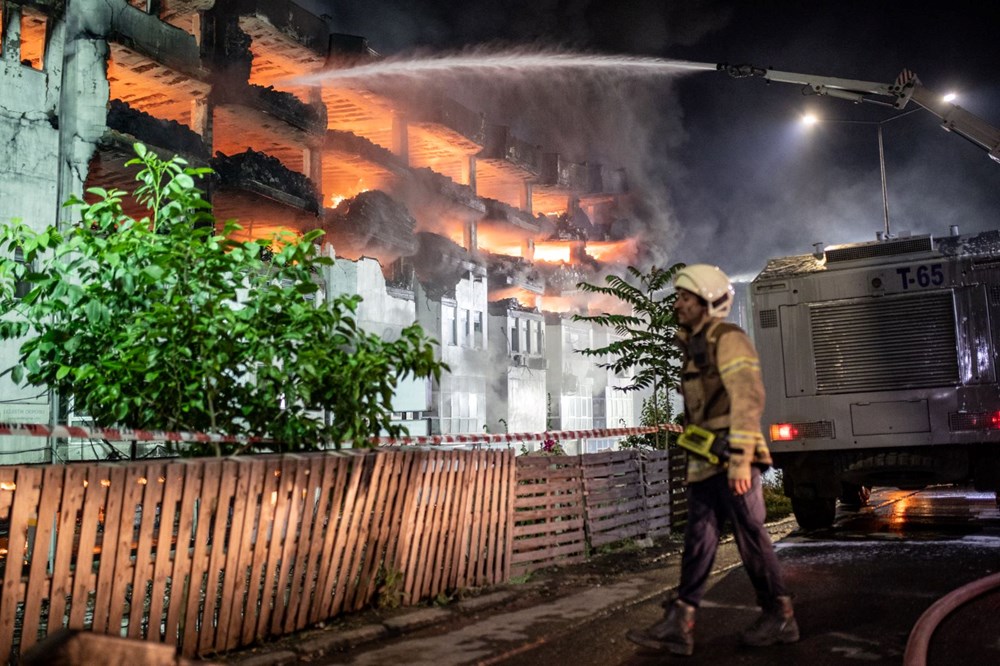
(739, 363)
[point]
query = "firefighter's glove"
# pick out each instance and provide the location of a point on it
(741, 448)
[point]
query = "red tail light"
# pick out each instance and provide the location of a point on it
(783, 432)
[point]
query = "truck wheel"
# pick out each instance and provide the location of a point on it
(814, 513)
(854, 496)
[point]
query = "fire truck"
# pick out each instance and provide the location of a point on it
(881, 359)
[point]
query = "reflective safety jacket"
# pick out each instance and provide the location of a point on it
(723, 392)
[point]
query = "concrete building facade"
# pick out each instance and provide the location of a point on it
(436, 214)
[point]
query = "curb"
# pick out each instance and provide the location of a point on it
(322, 642)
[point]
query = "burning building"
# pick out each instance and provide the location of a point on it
(436, 214)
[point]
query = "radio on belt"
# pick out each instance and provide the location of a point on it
(705, 444)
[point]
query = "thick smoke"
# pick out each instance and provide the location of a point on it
(731, 179)
(614, 117)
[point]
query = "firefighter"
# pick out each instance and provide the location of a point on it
(724, 396)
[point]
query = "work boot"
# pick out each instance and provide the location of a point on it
(674, 633)
(775, 624)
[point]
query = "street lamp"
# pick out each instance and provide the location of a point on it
(811, 119)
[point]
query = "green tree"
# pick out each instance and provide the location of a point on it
(644, 343)
(166, 323)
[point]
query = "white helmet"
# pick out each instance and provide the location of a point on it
(709, 283)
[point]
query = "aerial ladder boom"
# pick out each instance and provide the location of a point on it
(905, 88)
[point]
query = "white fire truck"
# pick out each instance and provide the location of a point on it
(881, 360)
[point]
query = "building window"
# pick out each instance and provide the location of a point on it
(465, 329)
(540, 337)
(477, 331)
(449, 325)
(34, 32)
(515, 345)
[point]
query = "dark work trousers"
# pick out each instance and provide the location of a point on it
(710, 503)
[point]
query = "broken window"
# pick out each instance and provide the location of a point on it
(34, 34)
(514, 340)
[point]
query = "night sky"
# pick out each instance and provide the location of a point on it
(723, 170)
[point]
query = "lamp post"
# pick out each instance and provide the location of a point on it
(811, 119)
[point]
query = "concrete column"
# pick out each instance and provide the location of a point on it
(525, 202)
(528, 253)
(312, 158)
(12, 32)
(201, 121)
(472, 235)
(400, 138)
(469, 173)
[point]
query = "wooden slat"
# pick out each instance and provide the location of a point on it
(379, 538)
(180, 587)
(397, 518)
(424, 555)
(270, 587)
(413, 524)
(338, 572)
(452, 545)
(65, 551)
(221, 505)
(446, 529)
(95, 499)
(442, 524)
(149, 495)
(166, 541)
(241, 572)
(355, 538)
(125, 570)
(291, 488)
(193, 620)
(493, 525)
(510, 485)
(110, 544)
(363, 532)
(39, 585)
(325, 472)
(234, 577)
(336, 483)
(463, 549)
(258, 602)
(476, 513)
(24, 505)
(310, 542)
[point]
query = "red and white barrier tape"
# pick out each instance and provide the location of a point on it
(116, 434)
(508, 438)
(125, 435)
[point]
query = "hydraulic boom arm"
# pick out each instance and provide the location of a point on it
(906, 87)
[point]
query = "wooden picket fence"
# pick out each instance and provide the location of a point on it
(568, 505)
(215, 554)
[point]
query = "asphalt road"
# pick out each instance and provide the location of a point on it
(859, 588)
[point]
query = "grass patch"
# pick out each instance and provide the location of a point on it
(778, 505)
